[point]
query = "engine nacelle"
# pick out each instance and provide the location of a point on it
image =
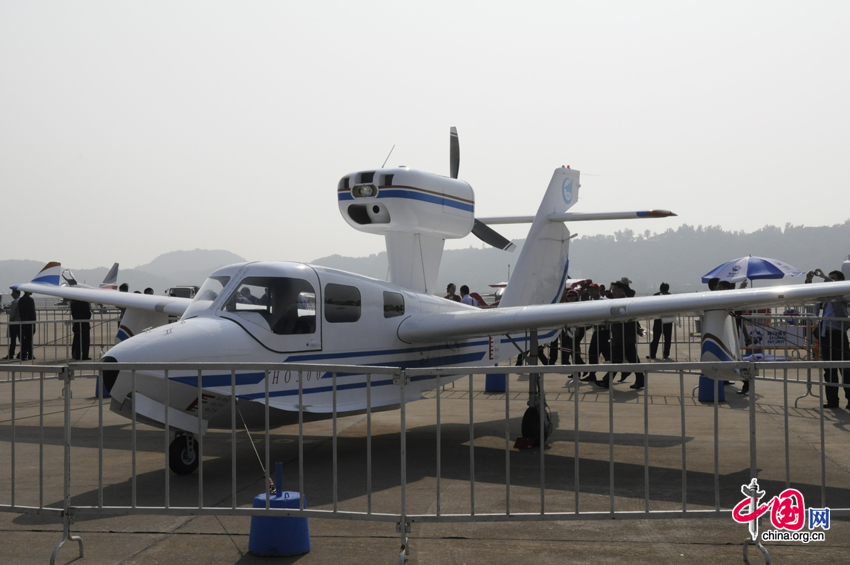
(403, 200)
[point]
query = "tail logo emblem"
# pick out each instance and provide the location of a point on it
(567, 190)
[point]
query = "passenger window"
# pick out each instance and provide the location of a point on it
(286, 306)
(342, 303)
(393, 304)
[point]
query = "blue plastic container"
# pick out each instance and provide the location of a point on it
(706, 390)
(283, 535)
(495, 383)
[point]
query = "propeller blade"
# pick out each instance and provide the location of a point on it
(489, 236)
(454, 150)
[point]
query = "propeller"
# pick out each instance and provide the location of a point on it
(491, 237)
(479, 229)
(454, 152)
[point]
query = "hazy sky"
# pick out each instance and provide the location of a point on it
(129, 129)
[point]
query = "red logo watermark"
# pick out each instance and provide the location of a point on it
(787, 515)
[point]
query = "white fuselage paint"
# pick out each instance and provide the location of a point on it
(214, 334)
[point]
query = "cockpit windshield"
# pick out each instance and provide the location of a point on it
(283, 305)
(207, 294)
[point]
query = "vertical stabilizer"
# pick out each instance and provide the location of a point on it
(541, 268)
(719, 342)
(111, 279)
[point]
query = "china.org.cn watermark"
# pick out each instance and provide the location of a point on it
(788, 515)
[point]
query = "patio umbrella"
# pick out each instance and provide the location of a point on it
(751, 267)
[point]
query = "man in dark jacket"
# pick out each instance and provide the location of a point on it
(623, 341)
(26, 309)
(833, 341)
(14, 326)
(661, 326)
(80, 314)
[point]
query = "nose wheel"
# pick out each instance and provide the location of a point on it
(183, 454)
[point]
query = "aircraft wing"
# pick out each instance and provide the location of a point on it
(468, 323)
(165, 304)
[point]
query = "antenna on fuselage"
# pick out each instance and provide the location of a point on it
(388, 156)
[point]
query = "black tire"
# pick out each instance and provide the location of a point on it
(531, 424)
(178, 455)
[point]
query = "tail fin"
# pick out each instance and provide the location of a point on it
(110, 281)
(719, 342)
(49, 274)
(541, 268)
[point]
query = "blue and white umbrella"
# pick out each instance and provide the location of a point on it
(751, 267)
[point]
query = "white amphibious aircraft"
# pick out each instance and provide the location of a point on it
(300, 313)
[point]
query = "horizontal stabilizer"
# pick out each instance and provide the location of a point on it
(581, 217)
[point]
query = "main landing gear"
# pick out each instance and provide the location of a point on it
(183, 453)
(536, 400)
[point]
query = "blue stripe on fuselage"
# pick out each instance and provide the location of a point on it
(413, 194)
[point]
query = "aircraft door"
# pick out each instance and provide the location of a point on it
(278, 309)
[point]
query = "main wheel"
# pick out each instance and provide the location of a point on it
(531, 424)
(181, 459)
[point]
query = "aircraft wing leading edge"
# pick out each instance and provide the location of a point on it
(165, 304)
(471, 323)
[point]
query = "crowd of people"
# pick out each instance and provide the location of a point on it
(616, 342)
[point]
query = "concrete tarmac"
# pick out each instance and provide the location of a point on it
(148, 539)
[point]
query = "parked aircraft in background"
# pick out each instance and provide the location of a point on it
(110, 281)
(300, 313)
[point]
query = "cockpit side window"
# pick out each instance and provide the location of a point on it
(342, 303)
(285, 305)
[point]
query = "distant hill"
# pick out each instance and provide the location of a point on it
(679, 257)
(195, 265)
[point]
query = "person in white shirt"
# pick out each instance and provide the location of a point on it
(466, 299)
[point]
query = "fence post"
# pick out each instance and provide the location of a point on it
(67, 375)
(750, 372)
(403, 526)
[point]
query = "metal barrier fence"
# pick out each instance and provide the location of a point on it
(625, 456)
(53, 334)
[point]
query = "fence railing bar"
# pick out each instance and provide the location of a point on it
(507, 444)
(439, 431)
(232, 438)
(133, 437)
(334, 444)
(369, 443)
(822, 441)
(787, 437)
(684, 443)
(577, 381)
(200, 454)
(267, 446)
(646, 441)
(301, 439)
(471, 451)
(716, 383)
(611, 440)
(167, 437)
(41, 441)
